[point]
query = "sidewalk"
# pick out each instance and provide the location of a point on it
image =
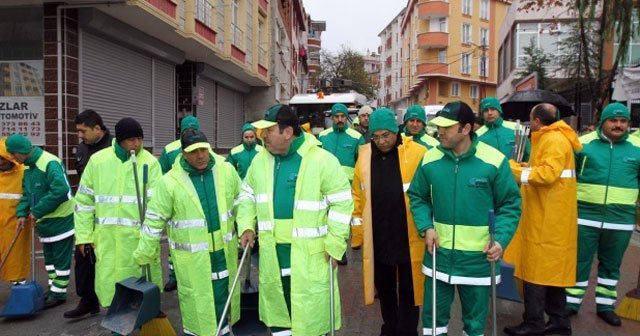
(357, 318)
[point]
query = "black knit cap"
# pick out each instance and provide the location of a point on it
(193, 139)
(128, 128)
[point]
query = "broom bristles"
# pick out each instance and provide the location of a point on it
(159, 326)
(629, 308)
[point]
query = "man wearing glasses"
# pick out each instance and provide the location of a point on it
(393, 250)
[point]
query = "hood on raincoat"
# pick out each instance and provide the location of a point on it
(565, 129)
(4, 153)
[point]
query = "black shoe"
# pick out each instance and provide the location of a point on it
(572, 312)
(50, 303)
(343, 261)
(556, 329)
(82, 309)
(610, 317)
(170, 286)
(523, 330)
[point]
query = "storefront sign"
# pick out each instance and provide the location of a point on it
(22, 100)
(24, 115)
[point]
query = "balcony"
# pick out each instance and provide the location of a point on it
(433, 40)
(314, 42)
(433, 9)
(432, 69)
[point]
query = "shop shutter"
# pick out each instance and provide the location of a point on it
(205, 113)
(230, 117)
(116, 82)
(164, 105)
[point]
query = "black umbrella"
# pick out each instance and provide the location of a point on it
(519, 104)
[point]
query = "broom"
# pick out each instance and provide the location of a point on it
(629, 308)
(159, 325)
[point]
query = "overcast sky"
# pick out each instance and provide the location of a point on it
(354, 23)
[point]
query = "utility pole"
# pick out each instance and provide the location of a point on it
(483, 66)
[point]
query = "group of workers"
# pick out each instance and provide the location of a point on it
(396, 192)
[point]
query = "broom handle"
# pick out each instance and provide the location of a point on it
(134, 164)
(233, 288)
(33, 242)
(13, 242)
(492, 231)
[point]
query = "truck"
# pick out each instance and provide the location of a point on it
(315, 108)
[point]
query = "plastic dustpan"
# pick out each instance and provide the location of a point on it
(27, 299)
(135, 302)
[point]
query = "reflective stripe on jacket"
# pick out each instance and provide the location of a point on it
(453, 194)
(46, 180)
(545, 247)
(176, 207)
(107, 215)
(321, 217)
(608, 181)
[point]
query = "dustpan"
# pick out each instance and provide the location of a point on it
(135, 302)
(26, 299)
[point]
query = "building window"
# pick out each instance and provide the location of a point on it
(467, 7)
(203, 12)
(473, 91)
(633, 50)
(545, 36)
(443, 88)
(466, 33)
(219, 8)
(455, 89)
(442, 56)
(484, 37)
(484, 9)
(237, 34)
(442, 24)
(465, 64)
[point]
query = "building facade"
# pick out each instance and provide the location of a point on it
(223, 61)
(390, 89)
(449, 50)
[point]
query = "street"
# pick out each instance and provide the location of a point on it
(357, 319)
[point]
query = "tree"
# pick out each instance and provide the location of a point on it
(599, 24)
(536, 62)
(349, 65)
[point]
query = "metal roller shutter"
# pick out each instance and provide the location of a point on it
(164, 105)
(115, 82)
(230, 117)
(205, 112)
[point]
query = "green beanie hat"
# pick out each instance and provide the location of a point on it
(189, 122)
(613, 110)
(492, 102)
(415, 111)
(339, 108)
(247, 127)
(18, 143)
(382, 119)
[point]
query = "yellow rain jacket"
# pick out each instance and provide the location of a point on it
(19, 261)
(410, 155)
(545, 246)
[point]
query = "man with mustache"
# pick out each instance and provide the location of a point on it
(607, 168)
(415, 121)
(343, 143)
